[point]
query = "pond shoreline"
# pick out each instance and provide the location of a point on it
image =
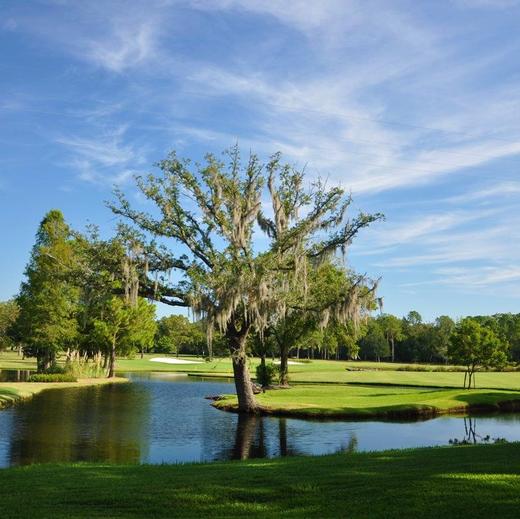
(12, 393)
(405, 413)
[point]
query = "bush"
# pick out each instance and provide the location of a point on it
(56, 370)
(81, 369)
(52, 377)
(265, 373)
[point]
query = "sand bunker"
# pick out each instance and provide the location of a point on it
(168, 360)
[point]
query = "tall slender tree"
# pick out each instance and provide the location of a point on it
(393, 329)
(9, 312)
(48, 300)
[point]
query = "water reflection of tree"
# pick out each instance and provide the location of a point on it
(349, 447)
(252, 435)
(249, 438)
(470, 433)
(105, 423)
(286, 449)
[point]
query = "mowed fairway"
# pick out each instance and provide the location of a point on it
(478, 482)
(352, 401)
(315, 371)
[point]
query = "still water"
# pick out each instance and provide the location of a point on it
(164, 418)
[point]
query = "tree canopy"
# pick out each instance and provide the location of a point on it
(48, 302)
(475, 346)
(212, 211)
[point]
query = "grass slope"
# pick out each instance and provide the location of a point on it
(377, 401)
(449, 482)
(12, 392)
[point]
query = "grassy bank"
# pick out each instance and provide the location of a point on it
(12, 392)
(449, 482)
(339, 401)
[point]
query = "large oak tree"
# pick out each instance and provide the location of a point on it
(212, 212)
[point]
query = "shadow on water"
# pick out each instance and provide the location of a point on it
(87, 424)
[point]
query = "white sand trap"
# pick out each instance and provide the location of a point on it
(167, 360)
(289, 362)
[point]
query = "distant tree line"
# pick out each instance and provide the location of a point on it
(410, 339)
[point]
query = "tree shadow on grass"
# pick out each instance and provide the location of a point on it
(490, 402)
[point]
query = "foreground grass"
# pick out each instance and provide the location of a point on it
(449, 482)
(377, 401)
(12, 392)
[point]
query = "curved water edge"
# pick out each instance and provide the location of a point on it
(164, 418)
(409, 413)
(15, 391)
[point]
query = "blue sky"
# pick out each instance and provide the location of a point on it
(413, 106)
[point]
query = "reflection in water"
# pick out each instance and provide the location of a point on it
(471, 436)
(165, 419)
(249, 429)
(470, 429)
(81, 425)
(350, 447)
(282, 435)
(252, 440)
(14, 375)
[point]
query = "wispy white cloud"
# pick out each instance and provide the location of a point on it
(106, 159)
(489, 244)
(488, 194)
(123, 48)
(391, 99)
(115, 36)
(423, 229)
(481, 280)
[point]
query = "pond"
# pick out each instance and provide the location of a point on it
(164, 418)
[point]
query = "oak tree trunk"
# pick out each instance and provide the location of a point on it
(284, 365)
(112, 360)
(244, 387)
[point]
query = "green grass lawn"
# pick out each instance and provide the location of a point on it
(352, 401)
(11, 360)
(316, 371)
(449, 482)
(335, 372)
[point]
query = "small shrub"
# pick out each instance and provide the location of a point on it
(84, 370)
(52, 377)
(265, 373)
(56, 370)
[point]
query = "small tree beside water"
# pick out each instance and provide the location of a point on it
(475, 346)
